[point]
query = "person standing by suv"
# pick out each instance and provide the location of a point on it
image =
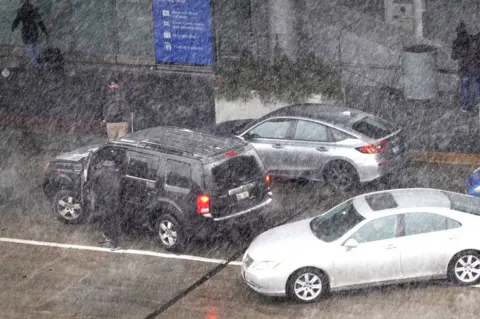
(108, 193)
(116, 112)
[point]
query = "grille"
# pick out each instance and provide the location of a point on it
(248, 261)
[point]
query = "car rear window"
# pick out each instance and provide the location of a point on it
(381, 201)
(236, 171)
(464, 203)
(374, 127)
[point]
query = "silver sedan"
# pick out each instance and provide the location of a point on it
(374, 239)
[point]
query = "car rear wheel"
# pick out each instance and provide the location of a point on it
(464, 268)
(170, 232)
(307, 285)
(341, 176)
(67, 207)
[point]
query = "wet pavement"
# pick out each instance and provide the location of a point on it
(142, 281)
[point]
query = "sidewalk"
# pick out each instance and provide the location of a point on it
(435, 131)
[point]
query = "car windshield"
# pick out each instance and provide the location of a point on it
(336, 222)
(464, 203)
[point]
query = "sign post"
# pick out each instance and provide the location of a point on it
(183, 32)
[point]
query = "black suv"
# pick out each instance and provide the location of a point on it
(180, 183)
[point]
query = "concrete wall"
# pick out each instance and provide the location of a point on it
(442, 17)
(254, 108)
(371, 50)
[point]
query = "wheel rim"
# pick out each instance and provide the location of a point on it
(308, 286)
(69, 208)
(340, 176)
(167, 233)
(467, 268)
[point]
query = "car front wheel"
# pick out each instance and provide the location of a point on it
(464, 268)
(307, 285)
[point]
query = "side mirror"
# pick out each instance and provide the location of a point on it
(247, 136)
(351, 243)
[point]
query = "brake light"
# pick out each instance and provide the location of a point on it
(373, 148)
(268, 181)
(229, 154)
(203, 204)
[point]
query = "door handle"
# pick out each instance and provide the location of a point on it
(322, 149)
(277, 146)
(391, 246)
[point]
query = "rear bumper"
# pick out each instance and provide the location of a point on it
(263, 204)
(205, 227)
(378, 166)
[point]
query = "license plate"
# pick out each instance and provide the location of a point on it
(243, 195)
(396, 148)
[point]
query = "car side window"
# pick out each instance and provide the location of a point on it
(421, 223)
(378, 229)
(179, 174)
(339, 135)
(116, 155)
(311, 131)
(277, 129)
(142, 166)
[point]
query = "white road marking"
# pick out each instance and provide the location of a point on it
(119, 251)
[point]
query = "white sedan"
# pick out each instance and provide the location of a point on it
(374, 239)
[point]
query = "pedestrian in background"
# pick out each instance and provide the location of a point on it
(462, 51)
(31, 20)
(116, 112)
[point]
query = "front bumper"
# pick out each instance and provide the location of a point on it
(265, 282)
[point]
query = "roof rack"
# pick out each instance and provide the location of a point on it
(165, 148)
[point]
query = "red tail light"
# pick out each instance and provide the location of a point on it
(373, 148)
(268, 180)
(203, 204)
(229, 154)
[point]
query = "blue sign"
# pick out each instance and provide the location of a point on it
(183, 31)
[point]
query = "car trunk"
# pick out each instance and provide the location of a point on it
(236, 183)
(383, 133)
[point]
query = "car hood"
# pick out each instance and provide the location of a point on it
(284, 242)
(78, 154)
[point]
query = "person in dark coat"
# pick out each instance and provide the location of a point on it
(108, 193)
(31, 20)
(116, 112)
(463, 51)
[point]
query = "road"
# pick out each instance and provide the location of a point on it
(52, 270)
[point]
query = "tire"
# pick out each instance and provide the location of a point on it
(464, 268)
(171, 234)
(67, 207)
(307, 285)
(341, 176)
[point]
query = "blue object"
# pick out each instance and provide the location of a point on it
(472, 185)
(183, 32)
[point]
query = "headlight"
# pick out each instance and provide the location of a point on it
(477, 189)
(265, 265)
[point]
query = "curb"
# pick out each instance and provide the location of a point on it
(445, 158)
